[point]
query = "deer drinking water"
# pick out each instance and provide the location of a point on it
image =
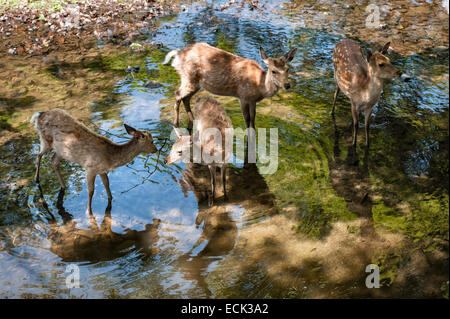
(222, 73)
(210, 115)
(361, 79)
(73, 141)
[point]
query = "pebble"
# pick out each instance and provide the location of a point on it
(133, 69)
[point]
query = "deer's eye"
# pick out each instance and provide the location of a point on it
(381, 65)
(180, 152)
(274, 72)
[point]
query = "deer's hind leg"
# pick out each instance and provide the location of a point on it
(44, 148)
(335, 98)
(105, 181)
(55, 161)
(187, 89)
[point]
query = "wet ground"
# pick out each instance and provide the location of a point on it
(307, 231)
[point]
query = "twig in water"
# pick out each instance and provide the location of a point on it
(151, 173)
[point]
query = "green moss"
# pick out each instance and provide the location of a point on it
(444, 289)
(389, 265)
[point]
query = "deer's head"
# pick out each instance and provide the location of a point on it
(180, 149)
(144, 139)
(278, 68)
(381, 65)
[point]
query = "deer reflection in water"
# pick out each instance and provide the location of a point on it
(351, 180)
(247, 189)
(98, 243)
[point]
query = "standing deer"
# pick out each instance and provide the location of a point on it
(73, 141)
(219, 72)
(210, 114)
(361, 79)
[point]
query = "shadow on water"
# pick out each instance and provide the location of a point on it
(99, 242)
(351, 180)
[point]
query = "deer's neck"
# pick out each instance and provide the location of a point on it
(269, 86)
(125, 153)
(373, 88)
(375, 83)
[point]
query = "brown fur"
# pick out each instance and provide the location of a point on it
(210, 114)
(219, 72)
(73, 141)
(361, 79)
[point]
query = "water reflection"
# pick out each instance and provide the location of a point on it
(99, 242)
(217, 239)
(247, 190)
(245, 187)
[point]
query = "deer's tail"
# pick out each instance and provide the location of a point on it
(35, 117)
(169, 57)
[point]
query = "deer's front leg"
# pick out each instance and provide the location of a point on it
(355, 123)
(90, 183)
(245, 112)
(44, 148)
(367, 125)
(252, 111)
(251, 134)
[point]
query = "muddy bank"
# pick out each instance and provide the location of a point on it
(411, 26)
(31, 30)
(70, 80)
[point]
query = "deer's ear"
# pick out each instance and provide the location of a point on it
(180, 132)
(384, 50)
(132, 131)
(262, 54)
(290, 55)
(369, 55)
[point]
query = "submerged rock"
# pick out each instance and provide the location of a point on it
(151, 84)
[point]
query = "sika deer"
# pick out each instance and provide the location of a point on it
(219, 72)
(210, 115)
(361, 79)
(73, 141)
